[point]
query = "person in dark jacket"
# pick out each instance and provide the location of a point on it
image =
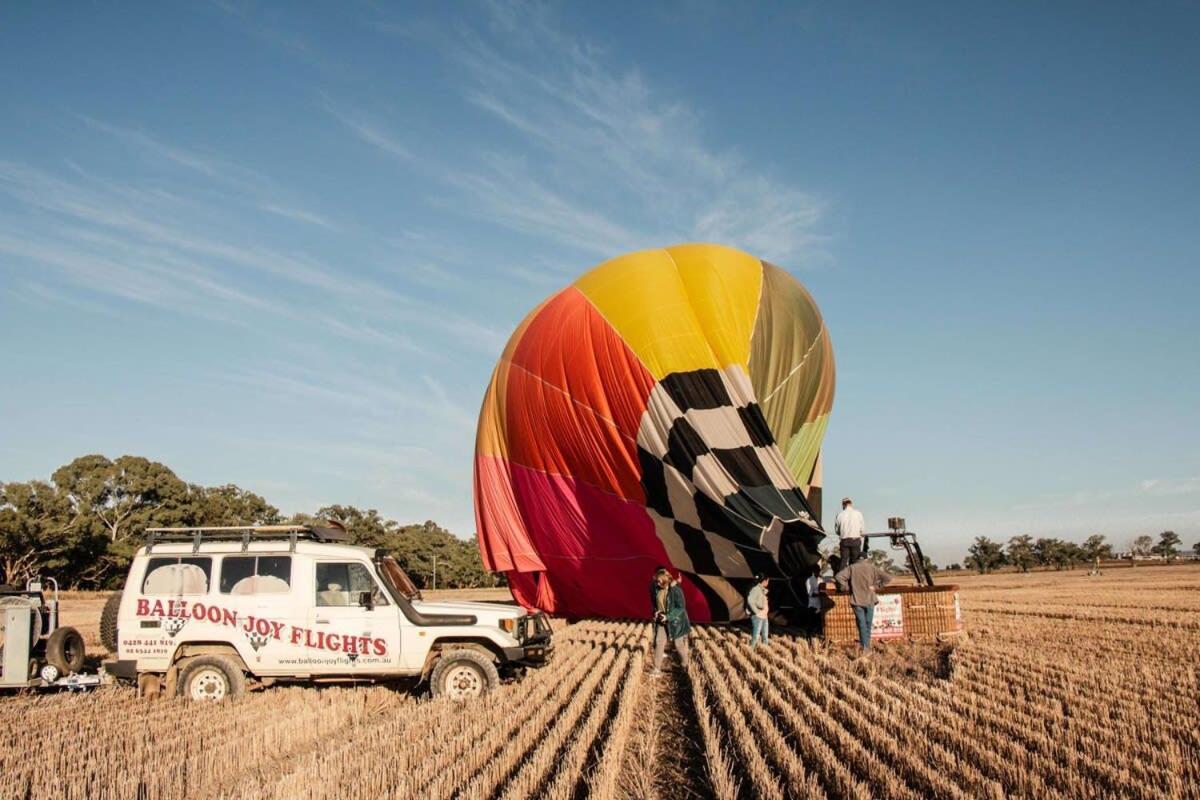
(670, 617)
(861, 579)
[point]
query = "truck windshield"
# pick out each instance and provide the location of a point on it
(398, 579)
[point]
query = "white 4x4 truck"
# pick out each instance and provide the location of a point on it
(208, 611)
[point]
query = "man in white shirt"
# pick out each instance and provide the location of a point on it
(849, 527)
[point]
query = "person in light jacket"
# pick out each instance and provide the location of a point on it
(861, 579)
(670, 617)
(756, 605)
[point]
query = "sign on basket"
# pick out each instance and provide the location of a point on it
(889, 618)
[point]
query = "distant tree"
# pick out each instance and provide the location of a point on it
(883, 561)
(1168, 545)
(366, 528)
(1046, 551)
(112, 504)
(35, 531)
(1095, 547)
(419, 548)
(985, 555)
(1056, 553)
(84, 525)
(1020, 552)
(955, 567)
(1141, 546)
(230, 505)
(1072, 554)
(1196, 549)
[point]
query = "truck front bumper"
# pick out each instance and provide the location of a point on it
(530, 655)
(537, 644)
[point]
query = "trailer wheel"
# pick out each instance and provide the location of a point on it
(108, 622)
(463, 675)
(211, 679)
(65, 651)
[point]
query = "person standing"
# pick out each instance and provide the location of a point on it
(812, 586)
(756, 603)
(670, 617)
(861, 579)
(849, 527)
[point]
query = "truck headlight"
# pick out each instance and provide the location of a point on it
(508, 625)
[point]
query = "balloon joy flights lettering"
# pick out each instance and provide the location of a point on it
(259, 630)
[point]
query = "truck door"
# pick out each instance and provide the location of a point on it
(354, 627)
(264, 592)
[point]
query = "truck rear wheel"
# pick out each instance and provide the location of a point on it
(65, 651)
(211, 679)
(463, 675)
(108, 622)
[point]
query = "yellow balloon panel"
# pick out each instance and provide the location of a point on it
(681, 308)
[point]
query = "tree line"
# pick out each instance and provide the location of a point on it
(83, 526)
(1024, 552)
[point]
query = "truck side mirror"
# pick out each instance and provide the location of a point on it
(366, 600)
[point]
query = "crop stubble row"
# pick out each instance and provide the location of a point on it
(1042, 703)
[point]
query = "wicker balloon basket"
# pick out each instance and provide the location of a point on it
(903, 612)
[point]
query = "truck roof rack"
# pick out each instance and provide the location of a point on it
(247, 533)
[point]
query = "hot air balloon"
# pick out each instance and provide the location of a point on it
(665, 409)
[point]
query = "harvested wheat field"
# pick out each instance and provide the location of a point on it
(1069, 686)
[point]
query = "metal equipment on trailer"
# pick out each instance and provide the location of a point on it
(35, 652)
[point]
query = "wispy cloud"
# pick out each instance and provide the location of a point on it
(139, 216)
(607, 161)
(299, 215)
(1141, 491)
(50, 296)
(206, 164)
(138, 245)
(1163, 487)
(368, 130)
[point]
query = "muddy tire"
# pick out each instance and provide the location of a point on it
(108, 622)
(463, 675)
(209, 679)
(65, 650)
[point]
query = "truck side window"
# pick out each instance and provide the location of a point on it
(342, 584)
(175, 575)
(256, 574)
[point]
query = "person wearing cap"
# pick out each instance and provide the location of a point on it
(849, 527)
(756, 604)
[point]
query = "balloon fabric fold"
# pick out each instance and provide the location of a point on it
(665, 409)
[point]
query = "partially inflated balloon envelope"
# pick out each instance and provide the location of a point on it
(666, 409)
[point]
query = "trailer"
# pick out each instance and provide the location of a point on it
(35, 651)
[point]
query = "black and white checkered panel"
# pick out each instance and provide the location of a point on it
(723, 502)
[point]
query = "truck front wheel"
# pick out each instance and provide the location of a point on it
(463, 675)
(211, 679)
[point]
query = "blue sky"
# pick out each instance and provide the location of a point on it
(283, 248)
